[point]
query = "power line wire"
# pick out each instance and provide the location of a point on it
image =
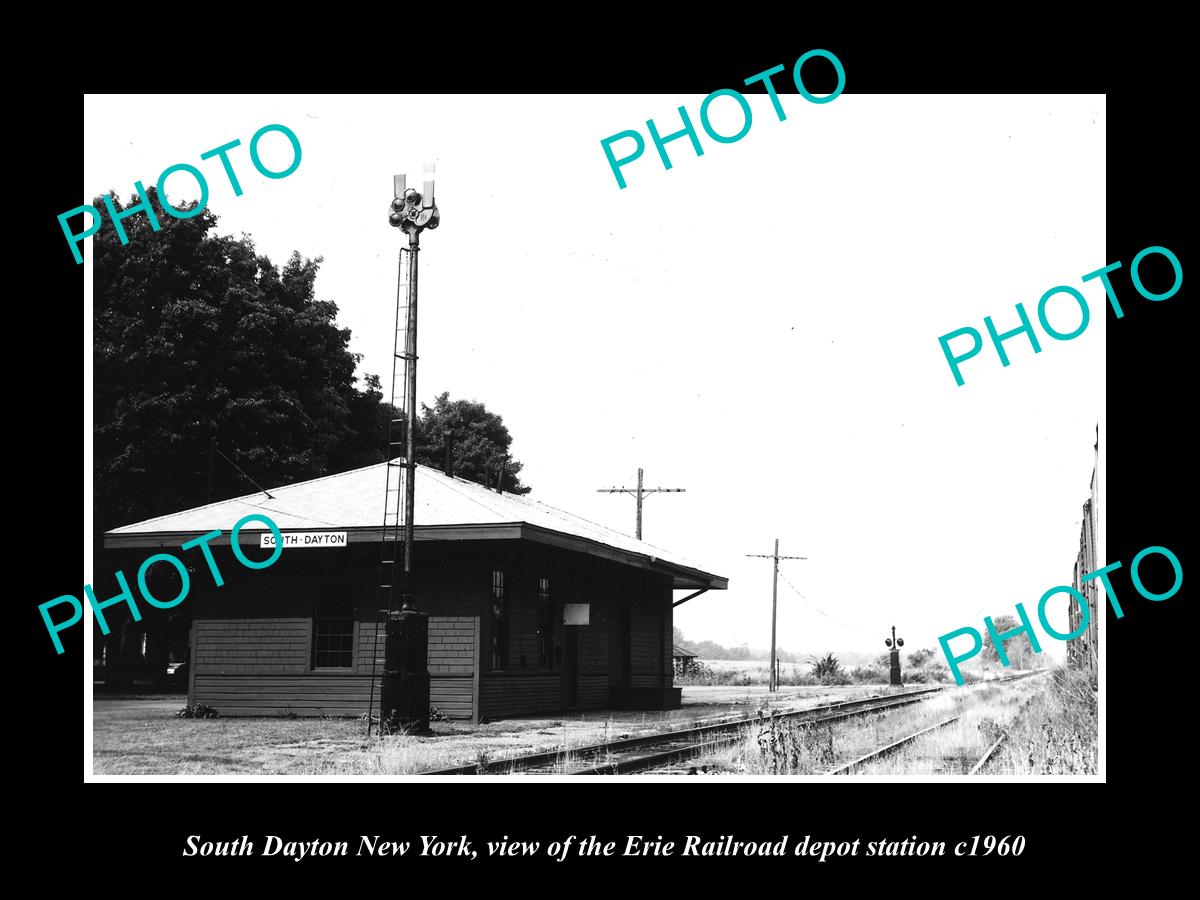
(244, 475)
(818, 609)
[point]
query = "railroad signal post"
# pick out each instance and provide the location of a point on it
(894, 644)
(774, 676)
(404, 691)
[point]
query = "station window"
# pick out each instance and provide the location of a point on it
(499, 622)
(545, 607)
(333, 628)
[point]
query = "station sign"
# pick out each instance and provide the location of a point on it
(313, 539)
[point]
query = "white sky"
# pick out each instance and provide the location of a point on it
(758, 326)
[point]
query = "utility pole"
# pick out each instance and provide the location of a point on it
(774, 684)
(212, 449)
(639, 494)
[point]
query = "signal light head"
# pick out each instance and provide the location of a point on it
(395, 219)
(412, 197)
(398, 204)
(899, 642)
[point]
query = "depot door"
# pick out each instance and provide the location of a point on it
(620, 656)
(570, 670)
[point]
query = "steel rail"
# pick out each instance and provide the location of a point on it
(651, 760)
(895, 745)
(691, 746)
(988, 754)
(884, 751)
(533, 760)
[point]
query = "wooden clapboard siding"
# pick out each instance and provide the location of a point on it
(593, 691)
(252, 646)
(303, 695)
(262, 667)
(367, 642)
(593, 643)
(452, 645)
(318, 695)
(453, 658)
(451, 649)
(516, 694)
(192, 665)
(454, 696)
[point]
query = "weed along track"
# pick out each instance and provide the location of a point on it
(895, 745)
(993, 751)
(960, 744)
(665, 748)
(902, 738)
(988, 754)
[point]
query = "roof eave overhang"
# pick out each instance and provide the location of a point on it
(683, 577)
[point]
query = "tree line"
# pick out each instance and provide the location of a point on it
(1019, 650)
(210, 358)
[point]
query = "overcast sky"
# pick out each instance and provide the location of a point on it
(758, 325)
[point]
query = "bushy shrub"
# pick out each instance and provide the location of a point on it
(198, 711)
(828, 670)
(692, 671)
(869, 675)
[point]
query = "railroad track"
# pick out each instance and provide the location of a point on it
(650, 751)
(888, 749)
(988, 754)
(664, 750)
(977, 769)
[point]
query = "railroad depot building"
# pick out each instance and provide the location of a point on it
(532, 609)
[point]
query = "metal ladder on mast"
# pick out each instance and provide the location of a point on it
(397, 469)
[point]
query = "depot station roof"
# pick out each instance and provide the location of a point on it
(447, 508)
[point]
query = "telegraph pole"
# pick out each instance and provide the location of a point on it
(774, 683)
(212, 449)
(639, 494)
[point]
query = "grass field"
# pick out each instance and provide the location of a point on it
(757, 671)
(144, 737)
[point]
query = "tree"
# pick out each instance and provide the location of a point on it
(479, 442)
(1018, 649)
(197, 337)
(920, 657)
